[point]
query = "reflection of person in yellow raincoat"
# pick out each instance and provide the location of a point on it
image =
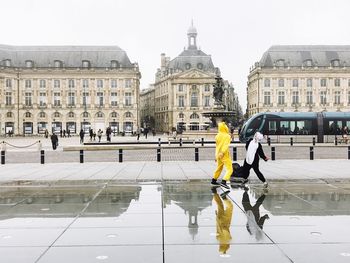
(223, 222)
(222, 155)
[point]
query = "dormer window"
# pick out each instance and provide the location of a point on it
(280, 63)
(58, 64)
(114, 64)
(307, 63)
(188, 66)
(200, 66)
(335, 63)
(29, 63)
(7, 63)
(86, 64)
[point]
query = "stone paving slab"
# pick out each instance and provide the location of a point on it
(155, 171)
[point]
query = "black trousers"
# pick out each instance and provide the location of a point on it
(255, 165)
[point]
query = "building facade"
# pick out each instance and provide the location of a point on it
(183, 88)
(147, 107)
(300, 79)
(58, 88)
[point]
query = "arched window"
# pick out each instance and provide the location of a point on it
(308, 63)
(181, 115)
(188, 66)
(28, 115)
(267, 82)
(85, 114)
(114, 115)
(128, 114)
(194, 116)
(200, 66)
(29, 63)
(42, 115)
(9, 114)
(56, 115)
(71, 115)
(58, 64)
(114, 64)
(86, 64)
(335, 63)
(99, 114)
(280, 63)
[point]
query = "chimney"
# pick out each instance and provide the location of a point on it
(162, 61)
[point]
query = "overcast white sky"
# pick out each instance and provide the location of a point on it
(235, 33)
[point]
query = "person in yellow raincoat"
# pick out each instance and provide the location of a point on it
(222, 156)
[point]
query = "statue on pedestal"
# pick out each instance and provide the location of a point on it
(218, 91)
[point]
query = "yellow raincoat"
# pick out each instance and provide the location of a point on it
(222, 153)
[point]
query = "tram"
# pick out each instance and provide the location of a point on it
(302, 126)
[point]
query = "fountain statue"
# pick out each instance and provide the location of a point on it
(218, 114)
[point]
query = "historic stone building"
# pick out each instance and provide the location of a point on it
(300, 78)
(183, 88)
(67, 88)
(147, 107)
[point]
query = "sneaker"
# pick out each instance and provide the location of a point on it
(214, 182)
(266, 184)
(224, 184)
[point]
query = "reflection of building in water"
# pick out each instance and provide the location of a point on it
(66, 202)
(191, 198)
(318, 198)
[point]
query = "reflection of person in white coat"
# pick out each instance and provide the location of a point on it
(254, 151)
(254, 221)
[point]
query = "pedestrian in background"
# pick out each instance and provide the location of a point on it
(54, 141)
(81, 134)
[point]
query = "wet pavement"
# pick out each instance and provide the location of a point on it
(174, 221)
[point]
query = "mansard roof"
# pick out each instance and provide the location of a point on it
(192, 58)
(306, 55)
(70, 56)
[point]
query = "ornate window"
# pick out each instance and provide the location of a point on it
(181, 115)
(42, 114)
(56, 115)
(194, 116)
(295, 83)
(281, 83)
(9, 114)
(28, 115)
(267, 83)
(99, 114)
(71, 114)
(114, 115)
(200, 66)
(128, 114)
(188, 66)
(85, 114)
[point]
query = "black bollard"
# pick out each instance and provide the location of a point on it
(159, 142)
(348, 152)
(273, 151)
(180, 141)
(81, 156)
(2, 157)
(269, 141)
(335, 140)
(42, 156)
(120, 155)
(202, 141)
(291, 141)
(313, 141)
(234, 153)
(196, 154)
(311, 153)
(158, 155)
